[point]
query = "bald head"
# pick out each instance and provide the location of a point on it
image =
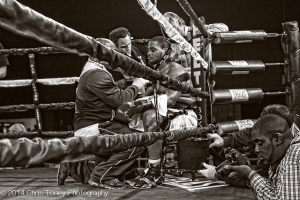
(281, 110)
(272, 137)
(107, 43)
(270, 124)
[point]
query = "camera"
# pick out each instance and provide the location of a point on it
(234, 157)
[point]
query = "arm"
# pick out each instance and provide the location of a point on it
(102, 85)
(263, 188)
(177, 72)
(285, 183)
(149, 91)
(287, 186)
(238, 138)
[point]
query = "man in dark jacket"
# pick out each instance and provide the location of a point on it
(97, 97)
(122, 39)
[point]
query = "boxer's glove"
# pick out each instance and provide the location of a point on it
(125, 111)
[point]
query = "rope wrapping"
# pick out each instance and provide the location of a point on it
(225, 96)
(190, 12)
(291, 46)
(26, 107)
(237, 66)
(46, 134)
(15, 83)
(239, 36)
(23, 51)
(233, 126)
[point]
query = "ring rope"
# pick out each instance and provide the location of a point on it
(43, 134)
(48, 50)
(46, 81)
(47, 106)
(152, 11)
(23, 51)
(169, 135)
(167, 82)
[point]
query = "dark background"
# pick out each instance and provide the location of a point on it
(97, 18)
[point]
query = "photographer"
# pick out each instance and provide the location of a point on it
(275, 143)
(243, 138)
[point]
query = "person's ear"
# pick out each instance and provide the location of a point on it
(278, 138)
(179, 23)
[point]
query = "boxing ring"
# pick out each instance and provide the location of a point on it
(203, 69)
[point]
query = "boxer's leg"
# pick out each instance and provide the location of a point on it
(152, 177)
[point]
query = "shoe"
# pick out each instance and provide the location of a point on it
(111, 184)
(114, 183)
(151, 178)
(62, 174)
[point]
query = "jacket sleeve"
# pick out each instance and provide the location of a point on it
(238, 138)
(102, 85)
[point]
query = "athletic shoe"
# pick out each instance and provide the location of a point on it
(151, 178)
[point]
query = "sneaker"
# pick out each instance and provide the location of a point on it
(62, 173)
(152, 177)
(111, 184)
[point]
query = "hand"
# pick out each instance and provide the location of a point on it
(140, 82)
(217, 140)
(241, 171)
(209, 172)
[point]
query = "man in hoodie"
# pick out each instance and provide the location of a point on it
(97, 97)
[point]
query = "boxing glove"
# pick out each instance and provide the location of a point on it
(125, 111)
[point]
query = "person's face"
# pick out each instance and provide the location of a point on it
(155, 53)
(124, 45)
(170, 160)
(264, 147)
(177, 25)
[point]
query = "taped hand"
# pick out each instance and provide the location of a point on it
(218, 141)
(140, 82)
